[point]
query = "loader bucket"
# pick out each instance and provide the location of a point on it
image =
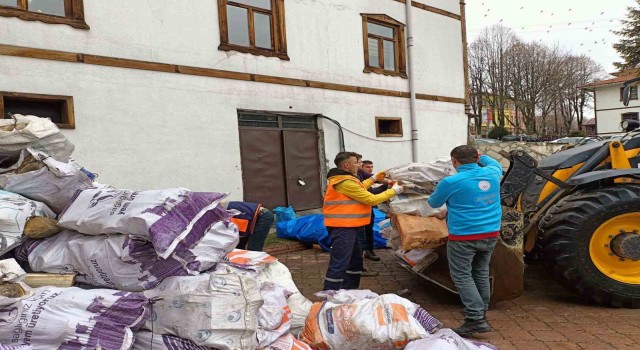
(507, 264)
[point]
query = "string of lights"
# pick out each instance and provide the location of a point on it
(584, 28)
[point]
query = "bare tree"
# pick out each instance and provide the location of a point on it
(572, 100)
(532, 71)
(477, 80)
(541, 83)
(494, 43)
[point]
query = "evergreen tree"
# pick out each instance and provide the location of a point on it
(629, 45)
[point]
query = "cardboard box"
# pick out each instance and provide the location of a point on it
(420, 232)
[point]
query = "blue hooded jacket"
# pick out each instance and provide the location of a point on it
(472, 197)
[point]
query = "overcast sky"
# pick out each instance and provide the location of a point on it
(582, 26)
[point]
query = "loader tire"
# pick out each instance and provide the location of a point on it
(575, 231)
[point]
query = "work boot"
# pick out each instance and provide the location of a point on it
(367, 273)
(371, 255)
(473, 326)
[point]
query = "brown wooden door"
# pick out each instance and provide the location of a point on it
(263, 176)
(302, 169)
(280, 160)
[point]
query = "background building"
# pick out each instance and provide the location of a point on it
(609, 110)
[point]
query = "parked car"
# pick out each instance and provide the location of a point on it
(484, 141)
(521, 138)
(611, 136)
(574, 140)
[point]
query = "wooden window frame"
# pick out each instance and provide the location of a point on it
(399, 41)
(631, 95)
(278, 30)
(74, 10)
(634, 116)
(379, 134)
(67, 111)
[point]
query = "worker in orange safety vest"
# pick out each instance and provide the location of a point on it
(347, 210)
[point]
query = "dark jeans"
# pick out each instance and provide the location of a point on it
(469, 267)
(345, 260)
(366, 239)
(255, 241)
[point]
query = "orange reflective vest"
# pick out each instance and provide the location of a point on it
(342, 211)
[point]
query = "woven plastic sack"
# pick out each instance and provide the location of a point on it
(274, 316)
(146, 340)
(120, 261)
(422, 178)
(15, 212)
(287, 342)
(166, 218)
(217, 310)
(15, 347)
(54, 184)
(73, 318)
(277, 273)
(446, 339)
(382, 323)
(248, 259)
(30, 131)
(413, 204)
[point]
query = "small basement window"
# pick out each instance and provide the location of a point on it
(630, 116)
(57, 108)
(388, 127)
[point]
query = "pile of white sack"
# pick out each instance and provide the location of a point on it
(154, 269)
(159, 269)
(422, 231)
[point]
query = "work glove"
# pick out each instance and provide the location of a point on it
(380, 176)
(399, 189)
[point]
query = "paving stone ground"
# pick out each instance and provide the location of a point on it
(546, 316)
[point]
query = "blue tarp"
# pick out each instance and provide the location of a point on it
(378, 241)
(310, 228)
(306, 229)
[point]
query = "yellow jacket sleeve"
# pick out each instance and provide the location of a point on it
(368, 182)
(353, 191)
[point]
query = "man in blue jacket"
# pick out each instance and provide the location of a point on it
(474, 215)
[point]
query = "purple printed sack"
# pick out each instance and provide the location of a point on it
(73, 318)
(166, 218)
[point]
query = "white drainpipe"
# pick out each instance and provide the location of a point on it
(412, 91)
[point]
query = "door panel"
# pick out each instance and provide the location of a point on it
(263, 175)
(302, 169)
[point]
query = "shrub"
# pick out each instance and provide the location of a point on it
(497, 132)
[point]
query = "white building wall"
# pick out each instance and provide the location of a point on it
(324, 40)
(609, 108)
(143, 129)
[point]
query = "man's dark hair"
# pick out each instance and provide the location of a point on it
(465, 154)
(343, 156)
(358, 156)
(367, 162)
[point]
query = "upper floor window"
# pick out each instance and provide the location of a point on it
(253, 26)
(633, 93)
(57, 108)
(70, 12)
(384, 50)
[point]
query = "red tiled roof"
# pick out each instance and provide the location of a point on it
(620, 77)
(591, 121)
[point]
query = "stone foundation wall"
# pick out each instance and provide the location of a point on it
(537, 150)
